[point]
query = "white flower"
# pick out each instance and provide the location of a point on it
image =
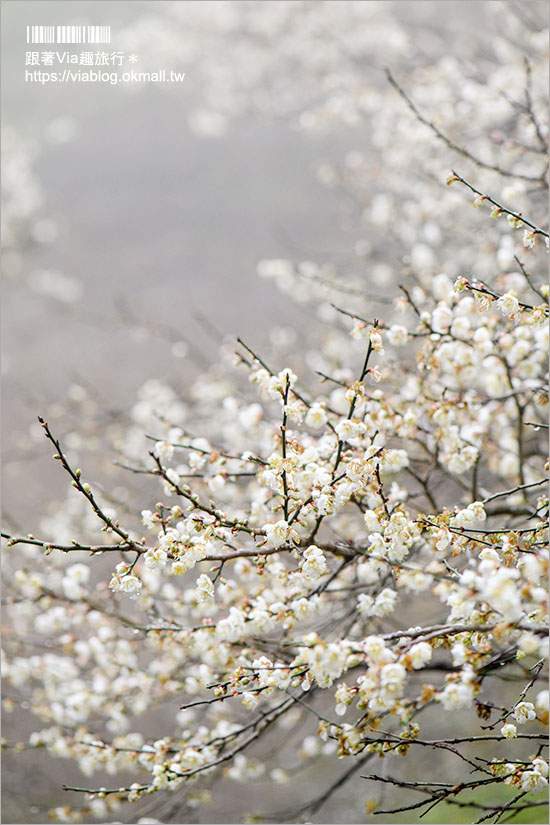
(216, 483)
(540, 766)
(275, 268)
(384, 602)
(457, 695)
(392, 679)
(392, 673)
(461, 327)
(355, 469)
(472, 514)
(368, 572)
(461, 461)
(524, 712)
(160, 777)
(509, 768)
(359, 330)
(442, 317)
(130, 585)
(482, 339)
(397, 335)
(286, 375)
(278, 534)
(542, 700)
(180, 567)
(148, 519)
(230, 628)
(295, 411)
(376, 341)
(478, 510)
(347, 429)
(172, 482)
(79, 572)
(74, 580)
(374, 375)
(163, 449)
(394, 460)
(508, 304)
(326, 662)
(533, 782)
(155, 558)
(249, 700)
(514, 222)
(316, 416)
(344, 697)
(314, 564)
(376, 650)
(528, 643)
(458, 652)
(528, 239)
(502, 593)
(303, 608)
(365, 604)
(443, 539)
(205, 589)
(371, 521)
(509, 731)
(489, 554)
(420, 654)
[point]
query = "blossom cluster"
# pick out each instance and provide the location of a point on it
(354, 548)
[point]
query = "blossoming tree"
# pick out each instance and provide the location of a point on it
(340, 559)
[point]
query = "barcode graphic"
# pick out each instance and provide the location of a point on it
(68, 34)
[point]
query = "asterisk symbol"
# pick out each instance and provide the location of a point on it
(132, 58)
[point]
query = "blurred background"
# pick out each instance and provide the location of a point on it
(134, 217)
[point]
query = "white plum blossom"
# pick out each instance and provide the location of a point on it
(397, 335)
(442, 317)
(359, 330)
(371, 521)
(533, 782)
(471, 515)
(369, 572)
(541, 701)
(456, 695)
(279, 533)
(205, 589)
(528, 240)
(508, 305)
(500, 590)
(392, 674)
(383, 521)
(376, 341)
(163, 449)
(541, 766)
(75, 579)
(232, 626)
(524, 712)
(394, 460)
(155, 558)
(376, 649)
(130, 585)
(381, 605)
(314, 564)
(420, 654)
(148, 519)
(316, 416)
(326, 662)
(348, 429)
